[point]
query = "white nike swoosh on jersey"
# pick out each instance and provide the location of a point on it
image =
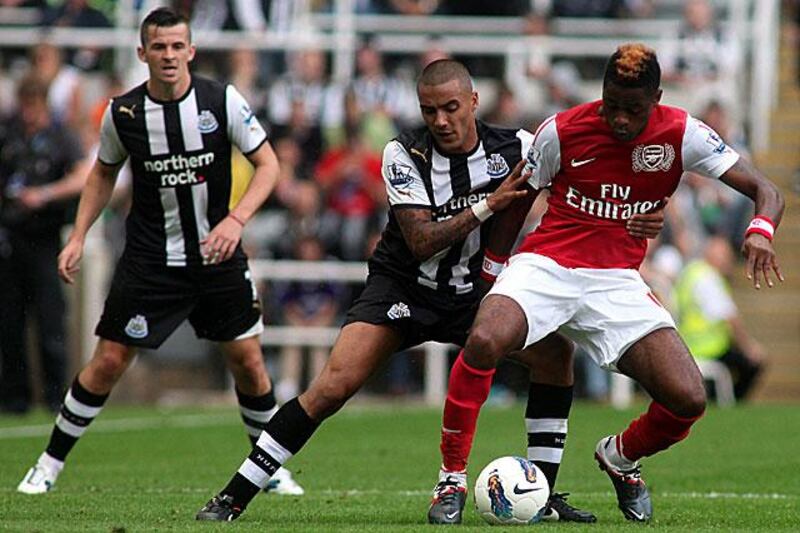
(576, 164)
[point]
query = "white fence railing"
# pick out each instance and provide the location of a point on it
(436, 363)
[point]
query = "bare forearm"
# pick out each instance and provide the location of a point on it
(258, 190)
(96, 194)
(426, 237)
(507, 225)
(261, 184)
(745, 178)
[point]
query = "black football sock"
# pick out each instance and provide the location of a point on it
(80, 407)
(256, 411)
(546, 422)
(286, 433)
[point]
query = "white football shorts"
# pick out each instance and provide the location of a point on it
(603, 310)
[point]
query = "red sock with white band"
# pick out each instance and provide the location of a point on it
(762, 225)
(492, 265)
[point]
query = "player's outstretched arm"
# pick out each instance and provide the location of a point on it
(757, 248)
(96, 194)
(221, 242)
(425, 237)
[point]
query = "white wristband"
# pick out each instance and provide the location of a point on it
(481, 210)
(761, 225)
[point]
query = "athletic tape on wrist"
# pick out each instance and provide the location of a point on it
(481, 210)
(761, 225)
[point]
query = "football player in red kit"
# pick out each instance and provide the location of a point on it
(604, 162)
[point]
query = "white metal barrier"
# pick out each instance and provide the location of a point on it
(436, 364)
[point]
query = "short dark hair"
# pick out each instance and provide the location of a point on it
(633, 65)
(444, 70)
(162, 17)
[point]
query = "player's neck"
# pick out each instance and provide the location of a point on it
(168, 91)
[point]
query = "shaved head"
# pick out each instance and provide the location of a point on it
(443, 71)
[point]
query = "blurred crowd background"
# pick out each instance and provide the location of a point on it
(329, 130)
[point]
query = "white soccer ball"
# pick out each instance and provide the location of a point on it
(511, 490)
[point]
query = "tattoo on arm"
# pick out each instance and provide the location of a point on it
(425, 237)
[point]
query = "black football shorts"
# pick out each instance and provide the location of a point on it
(146, 303)
(418, 313)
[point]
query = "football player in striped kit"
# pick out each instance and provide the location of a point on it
(604, 162)
(445, 180)
(182, 257)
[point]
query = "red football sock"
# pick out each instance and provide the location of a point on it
(655, 430)
(467, 390)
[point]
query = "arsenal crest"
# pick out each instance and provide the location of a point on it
(653, 157)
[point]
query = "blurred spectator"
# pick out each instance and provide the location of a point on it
(355, 195)
(702, 52)
(249, 15)
(64, 84)
(374, 127)
(279, 16)
(291, 210)
(78, 14)
(304, 200)
(563, 88)
(433, 52)
(41, 169)
(299, 101)
(305, 304)
(243, 73)
(708, 319)
(378, 92)
(506, 111)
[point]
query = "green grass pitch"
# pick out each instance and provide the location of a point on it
(372, 468)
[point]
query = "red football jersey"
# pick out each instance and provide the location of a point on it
(598, 182)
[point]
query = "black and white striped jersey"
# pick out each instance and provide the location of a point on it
(418, 176)
(180, 155)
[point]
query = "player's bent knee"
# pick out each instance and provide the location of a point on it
(690, 403)
(107, 367)
(483, 349)
(328, 394)
(252, 366)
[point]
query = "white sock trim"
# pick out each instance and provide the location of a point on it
(50, 462)
(271, 446)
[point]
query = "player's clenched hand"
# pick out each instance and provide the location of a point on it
(68, 260)
(761, 258)
(647, 225)
(509, 190)
(222, 241)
